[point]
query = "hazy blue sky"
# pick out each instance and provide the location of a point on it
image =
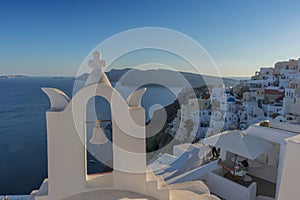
(53, 37)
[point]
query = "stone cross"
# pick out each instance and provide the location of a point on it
(96, 62)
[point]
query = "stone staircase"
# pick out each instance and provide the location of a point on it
(156, 186)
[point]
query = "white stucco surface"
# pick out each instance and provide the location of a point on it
(67, 159)
(110, 195)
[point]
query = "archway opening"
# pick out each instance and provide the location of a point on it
(99, 156)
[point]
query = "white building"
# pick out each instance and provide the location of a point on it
(291, 102)
(285, 68)
(264, 74)
(193, 105)
(230, 121)
(271, 109)
(217, 93)
(250, 105)
(272, 175)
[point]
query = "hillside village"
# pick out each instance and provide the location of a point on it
(208, 169)
(273, 94)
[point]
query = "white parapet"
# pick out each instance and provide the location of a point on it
(58, 99)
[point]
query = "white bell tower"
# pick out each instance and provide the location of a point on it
(66, 134)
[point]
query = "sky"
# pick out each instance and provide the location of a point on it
(52, 38)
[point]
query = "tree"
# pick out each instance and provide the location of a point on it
(189, 126)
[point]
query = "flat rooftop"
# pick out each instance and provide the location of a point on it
(294, 128)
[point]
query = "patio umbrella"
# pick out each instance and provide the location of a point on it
(239, 143)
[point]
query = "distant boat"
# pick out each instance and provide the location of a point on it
(92, 161)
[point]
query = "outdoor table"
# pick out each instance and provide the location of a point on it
(252, 163)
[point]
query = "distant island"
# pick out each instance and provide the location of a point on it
(136, 77)
(13, 76)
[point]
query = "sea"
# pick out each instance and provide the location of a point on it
(23, 141)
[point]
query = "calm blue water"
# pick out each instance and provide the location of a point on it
(23, 145)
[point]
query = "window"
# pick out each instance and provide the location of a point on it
(286, 67)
